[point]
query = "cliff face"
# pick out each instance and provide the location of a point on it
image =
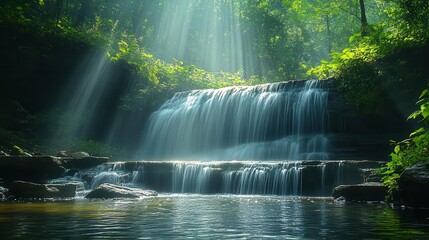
(363, 135)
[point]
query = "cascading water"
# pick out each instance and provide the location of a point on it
(281, 131)
(309, 178)
(283, 121)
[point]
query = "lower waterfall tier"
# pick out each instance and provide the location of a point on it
(305, 178)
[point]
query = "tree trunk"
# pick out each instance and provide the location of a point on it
(328, 28)
(363, 20)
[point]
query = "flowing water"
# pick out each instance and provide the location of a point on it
(303, 178)
(284, 121)
(210, 217)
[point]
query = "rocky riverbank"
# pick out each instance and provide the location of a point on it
(30, 177)
(41, 168)
(26, 177)
(413, 189)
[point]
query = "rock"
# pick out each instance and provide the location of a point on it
(35, 169)
(62, 154)
(371, 191)
(21, 189)
(83, 163)
(414, 186)
(370, 175)
(71, 154)
(79, 155)
(107, 190)
(17, 151)
(3, 193)
(79, 160)
(3, 154)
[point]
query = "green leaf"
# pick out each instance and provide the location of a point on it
(417, 132)
(397, 149)
(424, 93)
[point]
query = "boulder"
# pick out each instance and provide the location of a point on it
(107, 190)
(370, 191)
(21, 189)
(414, 186)
(34, 169)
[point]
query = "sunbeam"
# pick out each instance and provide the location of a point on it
(207, 34)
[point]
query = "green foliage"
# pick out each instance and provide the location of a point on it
(157, 80)
(414, 11)
(17, 150)
(358, 74)
(363, 72)
(360, 78)
(409, 151)
(38, 17)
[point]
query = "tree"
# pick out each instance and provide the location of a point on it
(363, 20)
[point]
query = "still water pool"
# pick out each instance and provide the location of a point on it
(210, 217)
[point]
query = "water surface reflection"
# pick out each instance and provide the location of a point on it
(210, 216)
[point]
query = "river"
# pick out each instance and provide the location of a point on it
(182, 216)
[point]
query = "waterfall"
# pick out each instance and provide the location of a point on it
(271, 139)
(114, 173)
(280, 179)
(299, 178)
(191, 178)
(282, 121)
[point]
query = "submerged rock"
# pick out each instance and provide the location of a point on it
(21, 189)
(414, 186)
(370, 191)
(107, 190)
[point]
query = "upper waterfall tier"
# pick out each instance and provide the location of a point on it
(287, 121)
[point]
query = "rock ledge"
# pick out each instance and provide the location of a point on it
(370, 191)
(21, 189)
